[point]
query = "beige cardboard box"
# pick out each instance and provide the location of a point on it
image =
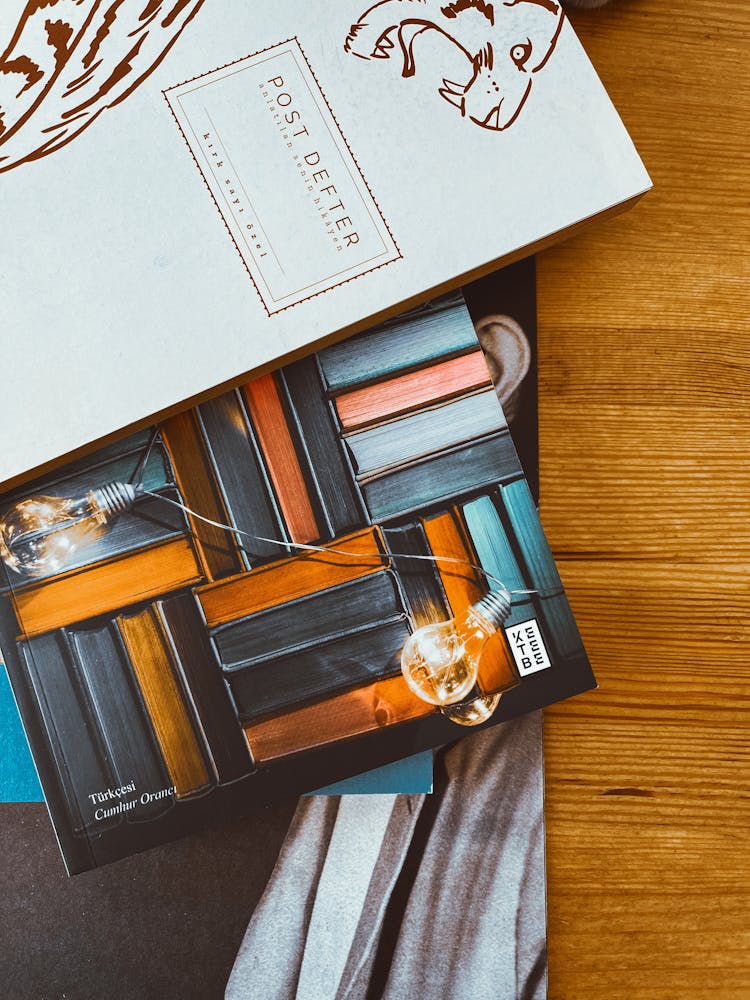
(191, 190)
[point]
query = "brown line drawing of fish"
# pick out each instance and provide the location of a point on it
(505, 42)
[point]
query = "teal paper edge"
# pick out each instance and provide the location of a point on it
(411, 776)
(19, 781)
(18, 778)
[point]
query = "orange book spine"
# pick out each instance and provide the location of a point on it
(267, 414)
(385, 703)
(408, 392)
(279, 582)
(216, 548)
(463, 587)
(152, 665)
(107, 587)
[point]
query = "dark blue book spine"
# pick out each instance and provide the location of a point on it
(107, 683)
(149, 522)
(201, 675)
(241, 474)
(441, 478)
(127, 451)
(78, 755)
(427, 431)
(323, 458)
(318, 672)
(538, 561)
(309, 619)
(419, 578)
(416, 339)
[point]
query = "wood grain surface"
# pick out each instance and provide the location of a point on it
(644, 358)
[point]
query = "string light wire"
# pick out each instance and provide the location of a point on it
(305, 547)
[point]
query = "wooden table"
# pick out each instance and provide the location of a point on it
(644, 361)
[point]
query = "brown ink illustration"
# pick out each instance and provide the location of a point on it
(69, 60)
(505, 43)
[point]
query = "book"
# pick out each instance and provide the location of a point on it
(310, 412)
(447, 537)
(439, 477)
(197, 192)
(427, 430)
(407, 392)
(263, 680)
(241, 477)
(307, 620)
(270, 424)
(315, 673)
(167, 707)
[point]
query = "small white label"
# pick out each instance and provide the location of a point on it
(528, 647)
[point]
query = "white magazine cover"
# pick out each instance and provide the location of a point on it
(191, 190)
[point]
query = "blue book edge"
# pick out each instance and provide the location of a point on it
(18, 777)
(411, 776)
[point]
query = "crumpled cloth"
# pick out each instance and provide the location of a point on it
(412, 897)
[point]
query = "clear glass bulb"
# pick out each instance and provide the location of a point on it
(474, 713)
(440, 662)
(41, 534)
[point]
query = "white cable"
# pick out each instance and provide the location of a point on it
(385, 556)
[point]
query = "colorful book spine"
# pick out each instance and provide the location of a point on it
(366, 710)
(149, 523)
(441, 478)
(79, 761)
(326, 461)
(439, 330)
(269, 421)
(291, 625)
(196, 481)
(464, 586)
(383, 400)
(202, 677)
(318, 672)
(433, 429)
(496, 555)
(165, 702)
(241, 475)
(420, 582)
(108, 586)
(288, 579)
(541, 571)
(106, 681)
(95, 724)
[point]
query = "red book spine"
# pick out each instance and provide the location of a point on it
(267, 414)
(409, 392)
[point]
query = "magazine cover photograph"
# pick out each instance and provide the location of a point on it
(334, 566)
(249, 903)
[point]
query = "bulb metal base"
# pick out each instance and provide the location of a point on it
(493, 608)
(113, 498)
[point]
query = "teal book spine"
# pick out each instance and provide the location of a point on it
(437, 331)
(541, 571)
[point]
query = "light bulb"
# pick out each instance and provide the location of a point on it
(474, 712)
(440, 662)
(41, 535)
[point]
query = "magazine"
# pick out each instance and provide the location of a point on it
(198, 190)
(335, 566)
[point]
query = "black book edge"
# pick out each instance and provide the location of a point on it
(229, 756)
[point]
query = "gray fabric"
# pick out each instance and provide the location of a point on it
(455, 906)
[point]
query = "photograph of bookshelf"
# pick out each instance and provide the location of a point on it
(173, 669)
